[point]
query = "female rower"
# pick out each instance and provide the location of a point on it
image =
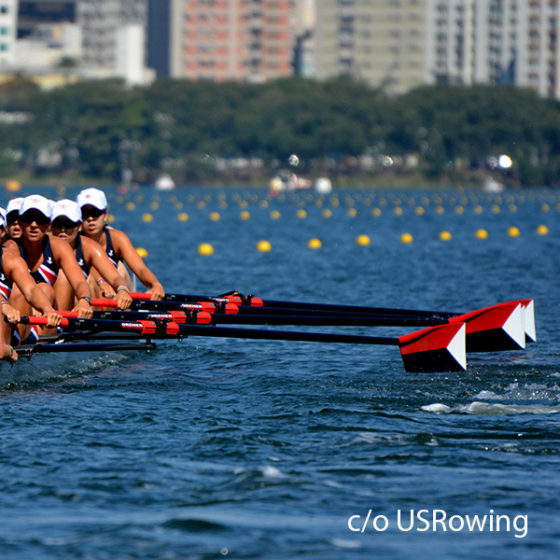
(13, 270)
(12, 218)
(45, 256)
(117, 245)
(66, 220)
(3, 221)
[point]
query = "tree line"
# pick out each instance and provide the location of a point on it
(202, 132)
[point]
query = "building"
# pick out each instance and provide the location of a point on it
(77, 39)
(113, 39)
(221, 40)
(495, 42)
(304, 47)
(35, 13)
(8, 32)
(381, 42)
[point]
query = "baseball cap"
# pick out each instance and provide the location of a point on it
(67, 208)
(36, 202)
(14, 205)
(93, 197)
(2, 217)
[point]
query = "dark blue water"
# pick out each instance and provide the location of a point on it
(223, 448)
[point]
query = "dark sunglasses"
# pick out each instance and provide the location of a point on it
(12, 217)
(91, 213)
(66, 224)
(38, 217)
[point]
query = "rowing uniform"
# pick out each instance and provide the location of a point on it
(5, 285)
(48, 269)
(109, 248)
(80, 256)
(5, 291)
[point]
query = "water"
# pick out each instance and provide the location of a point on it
(222, 448)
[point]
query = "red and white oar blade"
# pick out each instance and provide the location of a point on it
(496, 328)
(528, 309)
(440, 348)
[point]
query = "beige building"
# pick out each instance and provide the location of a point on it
(381, 42)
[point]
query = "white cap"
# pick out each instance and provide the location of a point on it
(94, 197)
(14, 205)
(2, 217)
(36, 202)
(67, 208)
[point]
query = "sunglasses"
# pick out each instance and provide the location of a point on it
(91, 213)
(38, 217)
(64, 224)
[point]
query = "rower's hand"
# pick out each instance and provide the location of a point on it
(11, 314)
(84, 309)
(53, 318)
(9, 354)
(124, 301)
(157, 291)
(108, 291)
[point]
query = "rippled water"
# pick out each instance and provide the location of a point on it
(222, 448)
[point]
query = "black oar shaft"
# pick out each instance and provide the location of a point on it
(30, 349)
(164, 329)
(228, 332)
(263, 318)
(279, 305)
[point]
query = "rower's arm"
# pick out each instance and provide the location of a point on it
(31, 291)
(102, 267)
(124, 247)
(64, 256)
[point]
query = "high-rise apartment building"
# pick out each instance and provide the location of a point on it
(496, 41)
(399, 44)
(380, 42)
(221, 40)
(113, 39)
(8, 33)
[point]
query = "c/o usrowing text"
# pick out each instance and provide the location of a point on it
(438, 520)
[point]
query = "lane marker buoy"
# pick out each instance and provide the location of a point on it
(205, 249)
(263, 246)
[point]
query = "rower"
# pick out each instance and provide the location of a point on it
(3, 221)
(13, 269)
(117, 245)
(45, 256)
(12, 218)
(66, 221)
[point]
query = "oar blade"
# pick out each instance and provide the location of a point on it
(493, 329)
(435, 349)
(528, 308)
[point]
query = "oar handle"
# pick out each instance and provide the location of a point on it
(180, 317)
(168, 305)
(32, 320)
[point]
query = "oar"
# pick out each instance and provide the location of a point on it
(439, 348)
(247, 303)
(496, 328)
(243, 302)
(204, 318)
(27, 350)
